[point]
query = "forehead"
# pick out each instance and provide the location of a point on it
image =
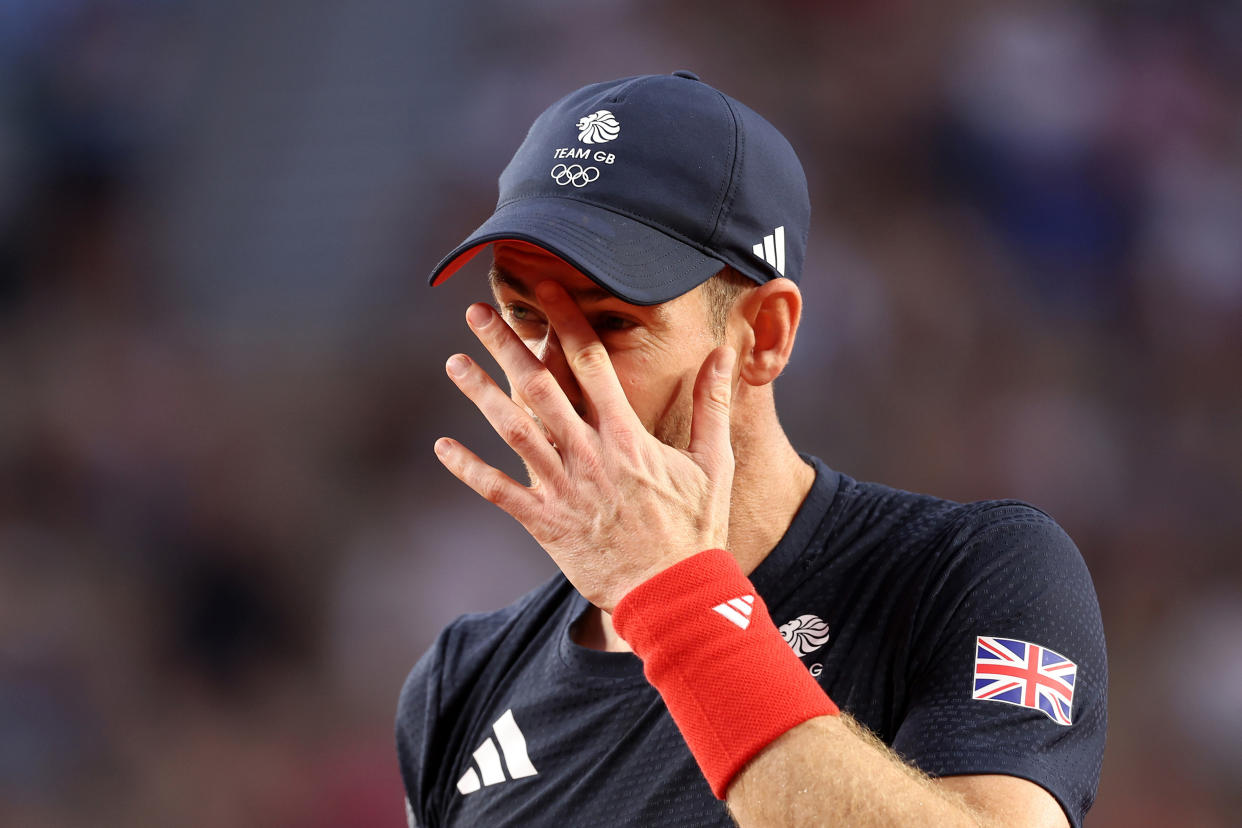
(520, 266)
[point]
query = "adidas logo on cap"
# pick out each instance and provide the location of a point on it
(487, 758)
(772, 249)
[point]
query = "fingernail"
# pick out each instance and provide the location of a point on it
(479, 315)
(442, 446)
(457, 365)
(724, 365)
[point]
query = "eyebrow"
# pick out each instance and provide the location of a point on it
(499, 278)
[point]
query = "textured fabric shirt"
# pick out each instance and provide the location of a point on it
(901, 605)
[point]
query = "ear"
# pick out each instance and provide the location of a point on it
(768, 319)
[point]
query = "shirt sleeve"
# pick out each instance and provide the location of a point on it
(417, 713)
(1013, 676)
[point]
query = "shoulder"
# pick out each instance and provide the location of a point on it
(1006, 568)
(949, 556)
(977, 529)
(472, 642)
(1008, 543)
(874, 512)
(999, 520)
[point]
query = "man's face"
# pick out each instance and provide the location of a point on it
(656, 351)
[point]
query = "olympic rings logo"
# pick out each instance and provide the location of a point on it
(574, 174)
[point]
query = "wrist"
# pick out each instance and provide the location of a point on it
(708, 645)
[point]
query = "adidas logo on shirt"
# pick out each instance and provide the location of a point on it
(487, 758)
(737, 610)
(772, 249)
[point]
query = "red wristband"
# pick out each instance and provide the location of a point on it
(728, 678)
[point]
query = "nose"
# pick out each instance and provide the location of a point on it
(548, 350)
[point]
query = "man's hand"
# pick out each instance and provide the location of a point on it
(608, 501)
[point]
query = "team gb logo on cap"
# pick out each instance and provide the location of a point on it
(598, 128)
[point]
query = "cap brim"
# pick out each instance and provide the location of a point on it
(636, 262)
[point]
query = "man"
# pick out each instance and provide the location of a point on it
(936, 663)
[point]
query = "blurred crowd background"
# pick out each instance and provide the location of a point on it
(224, 538)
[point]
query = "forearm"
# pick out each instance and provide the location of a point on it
(832, 771)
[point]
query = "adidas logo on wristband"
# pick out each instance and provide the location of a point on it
(737, 610)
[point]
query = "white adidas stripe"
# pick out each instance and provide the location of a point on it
(512, 745)
(737, 610)
(469, 782)
(772, 249)
(489, 763)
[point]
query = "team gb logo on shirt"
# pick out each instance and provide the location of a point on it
(598, 127)
(805, 634)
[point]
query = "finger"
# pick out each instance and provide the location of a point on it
(528, 377)
(713, 397)
(586, 355)
(514, 425)
(490, 483)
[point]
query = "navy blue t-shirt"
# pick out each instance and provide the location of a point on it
(967, 637)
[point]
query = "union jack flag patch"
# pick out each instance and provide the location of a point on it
(1025, 674)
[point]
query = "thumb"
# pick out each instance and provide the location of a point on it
(713, 396)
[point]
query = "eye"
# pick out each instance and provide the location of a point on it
(611, 322)
(520, 314)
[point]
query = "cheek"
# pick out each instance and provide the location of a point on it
(659, 390)
(638, 386)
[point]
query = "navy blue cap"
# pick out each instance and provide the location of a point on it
(650, 185)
